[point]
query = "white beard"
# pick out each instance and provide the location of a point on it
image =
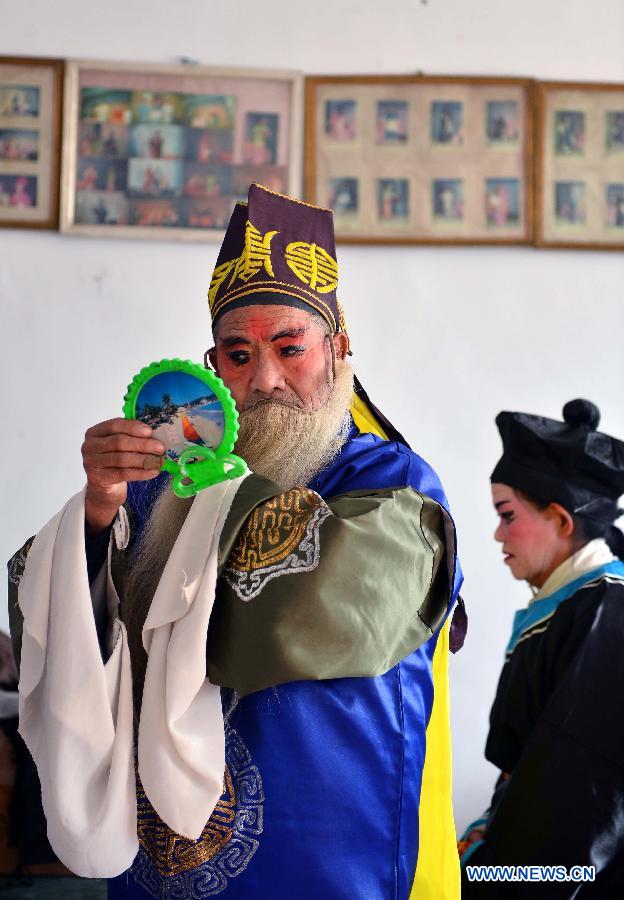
(289, 445)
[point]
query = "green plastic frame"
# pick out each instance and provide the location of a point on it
(197, 467)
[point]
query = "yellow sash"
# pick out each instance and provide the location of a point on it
(437, 873)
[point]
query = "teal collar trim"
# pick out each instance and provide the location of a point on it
(541, 610)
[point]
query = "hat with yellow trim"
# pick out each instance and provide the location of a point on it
(278, 250)
(281, 250)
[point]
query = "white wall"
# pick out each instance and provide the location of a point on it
(444, 338)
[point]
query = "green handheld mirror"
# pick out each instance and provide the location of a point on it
(192, 413)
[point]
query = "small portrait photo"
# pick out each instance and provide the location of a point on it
(155, 178)
(275, 178)
(343, 196)
(101, 208)
(392, 199)
(502, 201)
(615, 205)
(182, 411)
(209, 145)
(156, 108)
(391, 126)
(16, 144)
(19, 100)
(260, 148)
(103, 139)
(209, 212)
(340, 119)
(209, 110)
(569, 132)
(18, 191)
(448, 200)
(447, 122)
(105, 105)
(206, 181)
(570, 202)
(615, 131)
(154, 213)
(158, 141)
(102, 175)
(501, 123)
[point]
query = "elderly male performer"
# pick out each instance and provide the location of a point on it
(312, 594)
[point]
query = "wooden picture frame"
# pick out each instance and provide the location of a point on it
(165, 151)
(31, 98)
(422, 159)
(579, 191)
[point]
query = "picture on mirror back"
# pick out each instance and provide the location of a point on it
(168, 151)
(421, 159)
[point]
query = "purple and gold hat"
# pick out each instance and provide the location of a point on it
(278, 250)
(281, 250)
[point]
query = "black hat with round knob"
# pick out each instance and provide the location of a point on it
(567, 462)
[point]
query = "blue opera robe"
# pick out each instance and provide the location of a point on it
(325, 775)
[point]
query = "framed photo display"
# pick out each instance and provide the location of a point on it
(31, 96)
(421, 159)
(166, 151)
(579, 194)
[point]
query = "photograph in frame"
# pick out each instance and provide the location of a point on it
(579, 196)
(422, 159)
(167, 151)
(31, 96)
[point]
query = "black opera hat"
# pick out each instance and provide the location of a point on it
(567, 462)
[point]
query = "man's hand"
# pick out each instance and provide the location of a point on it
(113, 453)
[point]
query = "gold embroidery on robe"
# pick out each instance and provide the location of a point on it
(170, 852)
(194, 869)
(280, 537)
